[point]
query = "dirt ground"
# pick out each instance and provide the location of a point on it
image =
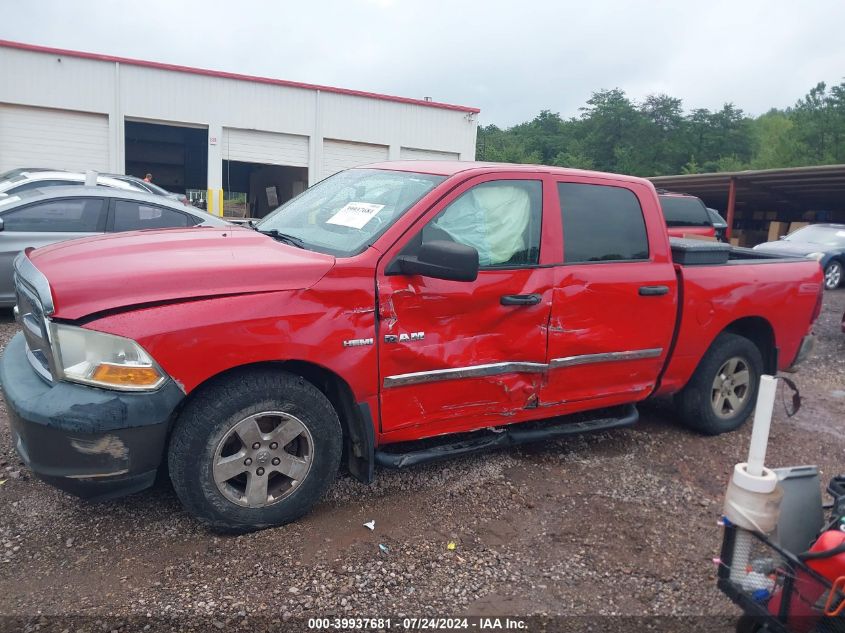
(620, 523)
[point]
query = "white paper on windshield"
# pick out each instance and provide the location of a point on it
(355, 214)
(4, 199)
(840, 234)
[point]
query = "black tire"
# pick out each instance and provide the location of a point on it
(695, 402)
(833, 275)
(210, 417)
(751, 624)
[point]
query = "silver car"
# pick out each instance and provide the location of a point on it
(37, 217)
(19, 180)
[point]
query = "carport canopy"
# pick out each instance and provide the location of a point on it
(792, 189)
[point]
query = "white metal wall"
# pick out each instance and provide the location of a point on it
(412, 153)
(340, 155)
(270, 148)
(121, 90)
(41, 137)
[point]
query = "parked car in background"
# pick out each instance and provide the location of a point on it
(150, 187)
(822, 242)
(17, 181)
(37, 217)
(685, 215)
(720, 225)
(403, 301)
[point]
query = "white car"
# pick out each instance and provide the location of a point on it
(18, 180)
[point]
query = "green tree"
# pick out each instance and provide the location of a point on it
(656, 137)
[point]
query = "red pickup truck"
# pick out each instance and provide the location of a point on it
(383, 307)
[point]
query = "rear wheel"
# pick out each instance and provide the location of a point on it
(254, 450)
(833, 275)
(722, 392)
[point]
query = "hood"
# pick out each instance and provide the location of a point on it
(796, 249)
(107, 272)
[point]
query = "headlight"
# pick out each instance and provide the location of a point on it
(104, 360)
(817, 256)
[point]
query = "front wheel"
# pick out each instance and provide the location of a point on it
(833, 275)
(254, 450)
(722, 392)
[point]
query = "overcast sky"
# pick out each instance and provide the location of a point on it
(509, 58)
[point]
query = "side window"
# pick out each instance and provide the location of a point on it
(40, 184)
(501, 219)
(601, 223)
(75, 215)
(132, 216)
(684, 211)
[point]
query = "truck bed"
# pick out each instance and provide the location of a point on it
(721, 285)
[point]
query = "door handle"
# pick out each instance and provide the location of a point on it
(653, 291)
(520, 300)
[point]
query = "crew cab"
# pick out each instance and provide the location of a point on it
(389, 315)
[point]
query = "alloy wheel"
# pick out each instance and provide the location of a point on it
(263, 459)
(731, 387)
(833, 275)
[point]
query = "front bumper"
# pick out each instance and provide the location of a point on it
(91, 442)
(808, 343)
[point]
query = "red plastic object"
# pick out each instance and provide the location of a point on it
(831, 567)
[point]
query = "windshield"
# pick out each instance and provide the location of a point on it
(344, 213)
(684, 211)
(826, 235)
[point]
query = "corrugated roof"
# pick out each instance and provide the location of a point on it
(816, 187)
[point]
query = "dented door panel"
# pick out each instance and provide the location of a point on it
(450, 350)
(605, 339)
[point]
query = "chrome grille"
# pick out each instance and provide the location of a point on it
(31, 315)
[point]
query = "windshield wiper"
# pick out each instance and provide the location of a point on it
(283, 237)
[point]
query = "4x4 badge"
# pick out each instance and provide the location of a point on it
(404, 338)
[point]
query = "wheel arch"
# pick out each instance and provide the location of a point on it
(356, 419)
(760, 332)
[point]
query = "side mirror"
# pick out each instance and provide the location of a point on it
(442, 260)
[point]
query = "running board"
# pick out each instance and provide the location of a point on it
(509, 436)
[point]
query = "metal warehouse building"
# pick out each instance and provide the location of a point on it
(252, 141)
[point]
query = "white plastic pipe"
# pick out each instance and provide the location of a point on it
(762, 424)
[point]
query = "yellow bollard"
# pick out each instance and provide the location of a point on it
(221, 203)
(209, 201)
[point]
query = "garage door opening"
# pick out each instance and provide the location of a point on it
(177, 157)
(254, 189)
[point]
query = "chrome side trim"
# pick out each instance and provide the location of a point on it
(609, 357)
(475, 371)
(515, 367)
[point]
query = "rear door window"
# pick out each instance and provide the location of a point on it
(133, 216)
(71, 215)
(684, 211)
(601, 223)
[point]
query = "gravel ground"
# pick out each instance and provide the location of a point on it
(620, 523)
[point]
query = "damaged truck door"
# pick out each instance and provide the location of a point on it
(615, 297)
(457, 355)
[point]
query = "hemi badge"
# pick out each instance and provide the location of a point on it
(358, 342)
